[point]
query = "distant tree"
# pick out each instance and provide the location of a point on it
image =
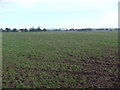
(44, 30)
(71, 29)
(26, 30)
(66, 30)
(106, 29)
(14, 30)
(32, 29)
(88, 29)
(38, 29)
(22, 30)
(79, 29)
(100, 29)
(7, 29)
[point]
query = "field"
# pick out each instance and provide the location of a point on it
(57, 59)
(0, 60)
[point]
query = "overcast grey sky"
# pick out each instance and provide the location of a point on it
(59, 13)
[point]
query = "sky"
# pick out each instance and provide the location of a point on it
(59, 13)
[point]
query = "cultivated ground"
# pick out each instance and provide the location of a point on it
(0, 60)
(57, 59)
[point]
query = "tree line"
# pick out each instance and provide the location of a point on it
(44, 30)
(23, 30)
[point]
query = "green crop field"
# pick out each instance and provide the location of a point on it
(55, 59)
(0, 60)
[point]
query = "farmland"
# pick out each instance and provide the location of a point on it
(0, 60)
(60, 59)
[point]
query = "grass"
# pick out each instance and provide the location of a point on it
(0, 60)
(60, 59)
